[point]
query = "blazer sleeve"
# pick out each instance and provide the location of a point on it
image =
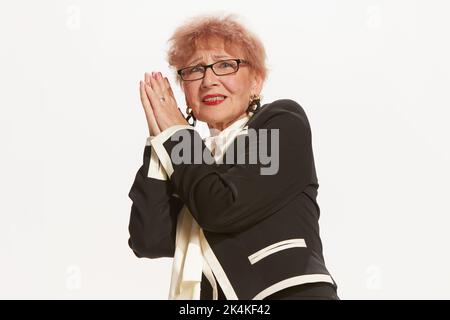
(226, 198)
(154, 210)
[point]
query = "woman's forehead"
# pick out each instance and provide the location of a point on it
(215, 48)
(201, 55)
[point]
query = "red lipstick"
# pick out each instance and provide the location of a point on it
(213, 99)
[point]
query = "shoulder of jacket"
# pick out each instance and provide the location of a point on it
(283, 105)
(280, 107)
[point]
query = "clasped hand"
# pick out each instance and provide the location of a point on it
(159, 103)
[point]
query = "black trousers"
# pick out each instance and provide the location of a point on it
(307, 291)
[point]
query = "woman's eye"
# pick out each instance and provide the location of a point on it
(196, 69)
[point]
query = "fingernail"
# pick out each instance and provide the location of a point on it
(159, 75)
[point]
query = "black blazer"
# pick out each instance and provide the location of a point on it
(262, 230)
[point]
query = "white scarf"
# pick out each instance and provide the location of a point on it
(189, 261)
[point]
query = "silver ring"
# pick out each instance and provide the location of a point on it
(162, 99)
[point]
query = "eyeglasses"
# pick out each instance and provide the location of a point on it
(220, 68)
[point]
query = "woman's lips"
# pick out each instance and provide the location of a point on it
(214, 102)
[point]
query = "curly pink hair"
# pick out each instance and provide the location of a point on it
(199, 30)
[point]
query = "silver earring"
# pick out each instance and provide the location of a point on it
(254, 103)
(190, 115)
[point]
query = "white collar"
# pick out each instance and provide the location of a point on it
(236, 125)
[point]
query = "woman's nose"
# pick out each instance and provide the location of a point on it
(210, 78)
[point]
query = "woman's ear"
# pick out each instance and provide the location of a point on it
(257, 85)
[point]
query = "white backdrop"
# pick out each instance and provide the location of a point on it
(373, 77)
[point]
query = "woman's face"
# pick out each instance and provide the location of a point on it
(237, 87)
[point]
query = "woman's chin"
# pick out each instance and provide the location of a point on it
(212, 116)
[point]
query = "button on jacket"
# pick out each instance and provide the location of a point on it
(261, 231)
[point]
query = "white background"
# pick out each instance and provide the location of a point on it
(373, 77)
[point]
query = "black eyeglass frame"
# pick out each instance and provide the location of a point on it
(238, 61)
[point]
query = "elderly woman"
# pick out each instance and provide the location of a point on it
(238, 223)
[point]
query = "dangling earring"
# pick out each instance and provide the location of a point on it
(254, 103)
(190, 115)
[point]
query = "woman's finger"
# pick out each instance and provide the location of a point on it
(168, 87)
(148, 83)
(152, 96)
(144, 99)
(147, 78)
(164, 84)
(151, 120)
(156, 84)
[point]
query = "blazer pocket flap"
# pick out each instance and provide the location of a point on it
(278, 246)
